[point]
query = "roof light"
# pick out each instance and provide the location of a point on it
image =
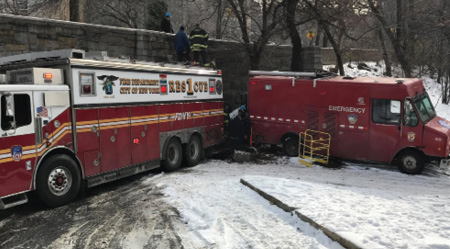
(48, 76)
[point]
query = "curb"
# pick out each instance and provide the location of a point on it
(332, 235)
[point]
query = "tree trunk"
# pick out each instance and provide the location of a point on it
(77, 12)
(395, 40)
(386, 59)
(336, 47)
(296, 58)
(220, 13)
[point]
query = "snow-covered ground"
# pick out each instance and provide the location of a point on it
(373, 207)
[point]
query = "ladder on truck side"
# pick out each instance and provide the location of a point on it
(314, 146)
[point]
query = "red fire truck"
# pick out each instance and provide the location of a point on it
(69, 121)
(370, 119)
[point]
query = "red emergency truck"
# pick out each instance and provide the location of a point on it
(369, 119)
(71, 119)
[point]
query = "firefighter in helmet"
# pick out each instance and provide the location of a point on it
(199, 44)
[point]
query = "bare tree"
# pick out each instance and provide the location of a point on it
(395, 34)
(258, 22)
(127, 13)
(291, 7)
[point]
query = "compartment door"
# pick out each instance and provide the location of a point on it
(115, 138)
(144, 133)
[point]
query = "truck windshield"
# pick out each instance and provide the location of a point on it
(424, 107)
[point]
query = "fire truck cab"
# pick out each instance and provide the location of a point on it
(70, 119)
(369, 119)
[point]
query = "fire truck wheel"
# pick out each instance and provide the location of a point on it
(411, 162)
(58, 181)
(290, 146)
(194, 151)
(173, 155)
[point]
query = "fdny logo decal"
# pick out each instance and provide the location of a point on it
(411, 136)
(361, 101)
(108, 83)
(352, 118)
(16, 152)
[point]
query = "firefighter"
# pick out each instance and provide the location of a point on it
(199, 44)
(237, 129)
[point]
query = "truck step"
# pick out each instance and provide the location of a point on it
(13, 201)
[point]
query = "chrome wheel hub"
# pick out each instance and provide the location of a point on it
(59, 181)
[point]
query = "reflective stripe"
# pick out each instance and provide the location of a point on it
(199, 45)
(198, 36)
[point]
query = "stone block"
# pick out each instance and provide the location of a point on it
(16, 47)
(70, 42)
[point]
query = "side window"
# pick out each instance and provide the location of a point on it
(386, 111)
(21, 115)
(409, 116)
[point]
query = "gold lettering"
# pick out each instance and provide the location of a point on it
(183, 86)
(143, 90)
(125, 82)
(206, 86)
(189, 82)
(196, 86)
(125, 90)
(172, 86)
(178, 86)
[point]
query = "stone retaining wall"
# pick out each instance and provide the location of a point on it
(19, 34)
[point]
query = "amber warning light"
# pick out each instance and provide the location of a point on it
(48, 76)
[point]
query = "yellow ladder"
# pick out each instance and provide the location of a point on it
(314, 147)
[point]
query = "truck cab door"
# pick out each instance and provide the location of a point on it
(385, 129)
(18, 142)
(412, 128)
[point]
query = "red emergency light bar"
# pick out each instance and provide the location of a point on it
(48, 76)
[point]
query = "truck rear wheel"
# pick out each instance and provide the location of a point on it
(290, 146)
(173, 155)
(58, 181)
(194, 151)
(411, 162)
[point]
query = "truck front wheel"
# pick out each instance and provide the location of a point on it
(58, 181)
(411, 162)
(290, 146)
